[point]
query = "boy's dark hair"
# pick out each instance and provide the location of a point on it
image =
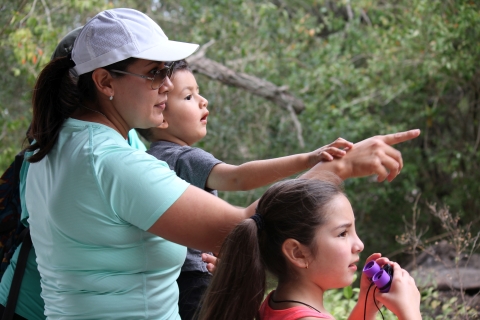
(289, 209)
(176, 66)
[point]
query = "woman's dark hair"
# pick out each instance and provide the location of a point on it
(57, 94)
(181, 65)
(289, 209)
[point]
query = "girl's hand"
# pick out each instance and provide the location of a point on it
(371, 309)
(336, 149)
(211, 262)
(403, 299)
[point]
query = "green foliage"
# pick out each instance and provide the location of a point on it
(362, 68)
(340, 305)
(30, 32)
(435, 307)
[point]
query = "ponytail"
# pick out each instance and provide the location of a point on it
(55, 97)
(238, 286)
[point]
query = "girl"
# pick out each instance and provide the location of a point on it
(303, 233)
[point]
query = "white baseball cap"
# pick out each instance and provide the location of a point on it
(118, 34)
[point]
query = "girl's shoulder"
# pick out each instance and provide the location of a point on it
(295, 313)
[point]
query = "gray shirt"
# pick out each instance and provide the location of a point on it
(194, 166)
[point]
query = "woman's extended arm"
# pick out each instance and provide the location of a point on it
(200, 220)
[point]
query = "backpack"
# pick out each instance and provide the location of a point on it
(10, 211)
(12, 231)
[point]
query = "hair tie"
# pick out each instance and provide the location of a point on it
(69, 57)
(258, 221)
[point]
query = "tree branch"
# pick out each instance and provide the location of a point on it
(47, 13)
(32, 9)
(262, 88)
(298, 126)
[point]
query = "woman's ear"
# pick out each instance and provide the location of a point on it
(296, 253)
(103, 81)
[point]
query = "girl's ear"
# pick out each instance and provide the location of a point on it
(103, 81)
(296, 253)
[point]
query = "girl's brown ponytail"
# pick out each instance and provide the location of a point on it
(238, 286)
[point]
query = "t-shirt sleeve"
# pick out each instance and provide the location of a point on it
(194, 165)
(138, 187)
(23, 179)
(134, 140)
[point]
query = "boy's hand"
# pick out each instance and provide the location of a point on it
(336, 149)
(211, 262)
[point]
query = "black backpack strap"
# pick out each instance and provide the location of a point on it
(17, 276)
(18, 165)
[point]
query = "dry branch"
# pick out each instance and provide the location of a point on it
(265, 89)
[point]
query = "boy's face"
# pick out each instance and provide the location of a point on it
(185, 116)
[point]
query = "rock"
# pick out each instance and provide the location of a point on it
(447, 278)
(436, 267)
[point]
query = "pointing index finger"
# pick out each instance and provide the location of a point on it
(399, 137)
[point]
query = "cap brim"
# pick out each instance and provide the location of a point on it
(168, 51)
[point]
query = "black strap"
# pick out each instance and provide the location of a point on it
(18, 166)
(17, 276)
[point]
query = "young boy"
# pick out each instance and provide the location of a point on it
(185, 123)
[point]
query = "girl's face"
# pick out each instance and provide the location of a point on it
(136, 103)
(186, 112)
(333, 265)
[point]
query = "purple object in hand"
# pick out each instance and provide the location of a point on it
(382, 277)
(370, 269)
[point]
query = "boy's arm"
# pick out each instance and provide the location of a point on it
(255, 174)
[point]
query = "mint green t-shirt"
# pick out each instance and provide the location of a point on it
(30, 304)
(134, 140)
(90, 201)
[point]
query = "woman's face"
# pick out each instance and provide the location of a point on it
(134, 100)
(337, 247)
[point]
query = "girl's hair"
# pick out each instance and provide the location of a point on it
(181, 65)
(57, 94)
(289, 209)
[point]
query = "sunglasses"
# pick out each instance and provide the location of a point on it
(158, 78)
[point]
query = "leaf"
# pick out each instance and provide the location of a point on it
(348, 292)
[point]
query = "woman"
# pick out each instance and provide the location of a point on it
(106, 219)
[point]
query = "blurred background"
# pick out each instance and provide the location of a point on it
(358, 68)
